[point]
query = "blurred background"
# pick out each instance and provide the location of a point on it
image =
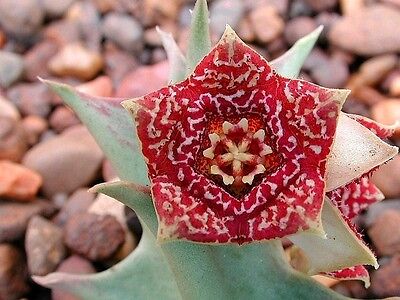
(48, 220)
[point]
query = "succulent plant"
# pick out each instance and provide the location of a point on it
(235, 154)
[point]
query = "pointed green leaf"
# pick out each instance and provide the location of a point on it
(341, 249)
(144, 274)
(290, 63)
(199, 40)
(177, 62)
(136, 197)
(112, 128)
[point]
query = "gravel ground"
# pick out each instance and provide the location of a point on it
(48, 221)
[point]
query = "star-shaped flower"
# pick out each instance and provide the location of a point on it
(237, 153)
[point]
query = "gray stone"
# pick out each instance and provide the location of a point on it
(56, 8)
(22, 18)
(11, 67)
(44, 246)
(130, 38)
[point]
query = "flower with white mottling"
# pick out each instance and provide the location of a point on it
(238, 145)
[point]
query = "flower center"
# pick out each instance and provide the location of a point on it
(236, 153)
(231, 161)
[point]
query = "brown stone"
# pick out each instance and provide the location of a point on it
(385, 282)
(13, 141)
(118, 63)
(102, 86)
(78, 202)
(3, 39)
(267, 23)
(385, 233)
(34, 127)
(8, 109)
(245, 30)
(154, 10)
(63, 32)
(320, 5)
(14, 217)
(386, 112)
(76, 61)
(373, 70)
(31, 98)
(365, 94)
(36, 60)
(298, 27)
(364, 33)
(143, 80)
(62, 118)
(67, 161)
(13, 273)
(74, 265)
(89, 21)
(108, 171)
(93, 236)
(394, 85)
(349, 7)
(386, 181)
(18, 182)
(331, 73)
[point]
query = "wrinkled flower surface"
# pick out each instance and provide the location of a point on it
(237, 153)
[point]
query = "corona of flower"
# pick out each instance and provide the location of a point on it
(237, 153)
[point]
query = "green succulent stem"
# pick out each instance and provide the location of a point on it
(230, 271)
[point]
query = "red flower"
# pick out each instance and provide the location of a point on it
(237, 153)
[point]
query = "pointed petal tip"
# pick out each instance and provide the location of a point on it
(367, 281)
(342, 95)
(131, 106)
(229, 34)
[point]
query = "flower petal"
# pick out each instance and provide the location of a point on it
(380, 130)
(355, 196)
(356, 150)
(341, 249)
(352, 273)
